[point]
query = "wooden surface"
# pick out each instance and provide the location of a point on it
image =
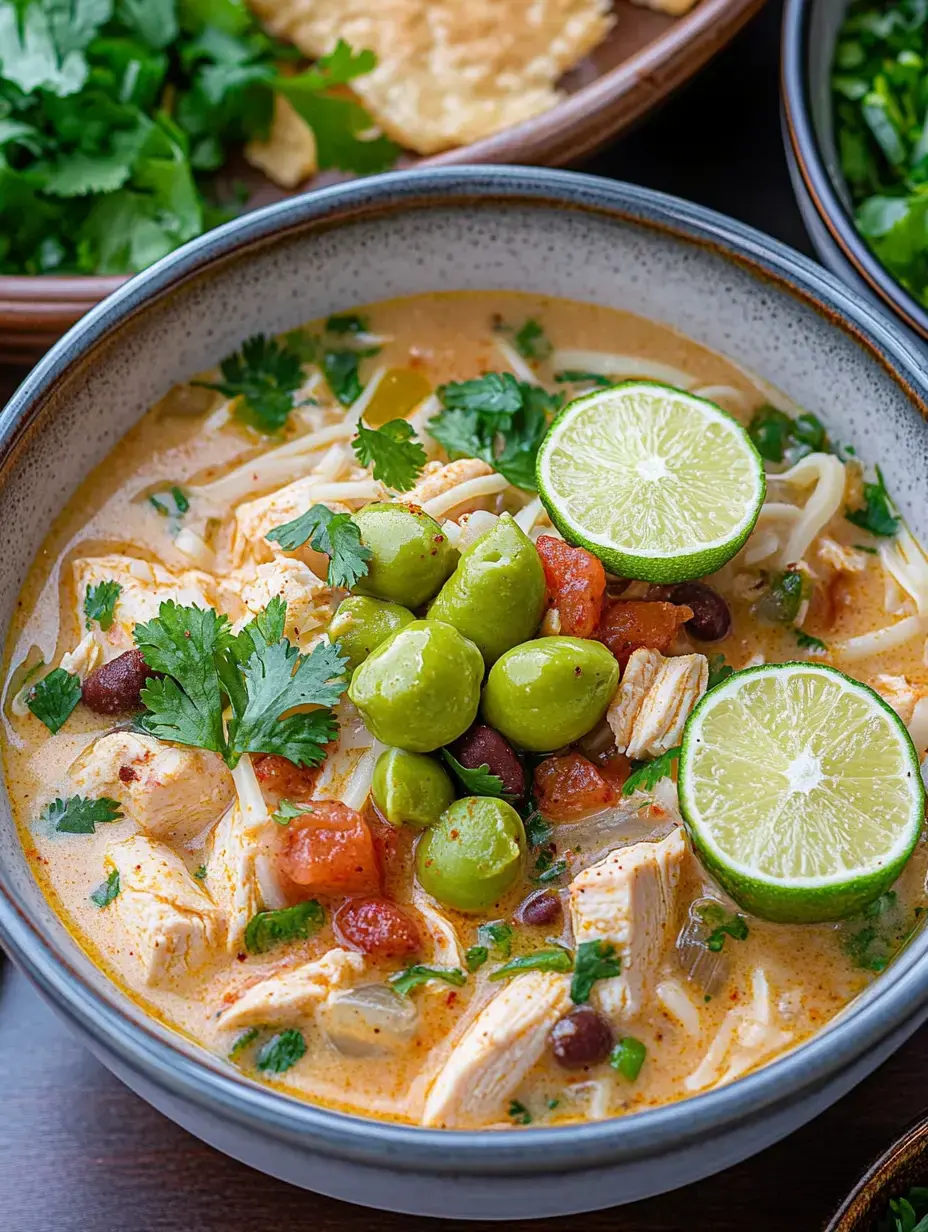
(80, 1153)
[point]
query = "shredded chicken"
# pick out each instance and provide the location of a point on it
(437, 478)
(173, 925)
(310, 602)
(841, 558)
(910, 702)
(255, 518)
(629, 899)
(654, 700)
(746, 1037)
(171, 792)
(290, 995)
(497, 1050)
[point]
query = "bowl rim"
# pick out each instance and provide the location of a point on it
(155, 1054)
(882, 1170)
(806, 149)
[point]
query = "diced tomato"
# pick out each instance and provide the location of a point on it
(576, 583)
(570, 786)
(377, 926)
(330, 850)
(280, 776)
(629, 624)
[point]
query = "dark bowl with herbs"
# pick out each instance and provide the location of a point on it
(892, 1195)
(855, 114)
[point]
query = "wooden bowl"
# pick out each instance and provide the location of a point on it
(900, 1167)
(645, 57)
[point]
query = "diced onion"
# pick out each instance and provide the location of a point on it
(369, 1020)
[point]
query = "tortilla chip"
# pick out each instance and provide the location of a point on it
(288, 157)
(448, 71)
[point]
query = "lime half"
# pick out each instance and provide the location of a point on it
(656, 483)
(801, 791)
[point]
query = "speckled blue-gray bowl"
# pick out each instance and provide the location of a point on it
(542, 231)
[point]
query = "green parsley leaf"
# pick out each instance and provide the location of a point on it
(347, 323)
(53, 698)
(281, 1052)
(518, 1113)
(868, 548)
(100, 604)
(104, 894)
(627, 1057)
(722, 925)
(877, 514)
(170, 504)
(242, 1041)
(394, 451)
(532, 342)
(647, 776)
(572, 376)
(596, 960)
(79, 815)
(263, 377)
(477, 782)
(403, 982)
(334, 534)
(719, 670)
(539, 960)
(340, 369)
(268, 929)
(807, 642)
(475, 957)
(287, 811)
(200, 872)
(496, 935)
(783, 598)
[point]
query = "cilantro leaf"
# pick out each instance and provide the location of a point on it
(572, 376)
(340, 369)
(335, 534)
(494, 393)
(170, 504)
(52, 698)
(241, 1042)
(403, 982)
(497, 936)
(723, 925)
(478, 781)
(268, 929)
(286, 811)
(104, 894)
(518, 1113)
(781, 603)
(80, 815)
(539, 960)
(596, 960)
(475, 957)
(807, 642)
(647, 777)
(393, 450)
(346, 323)
(37, 51)
(100, 604)
(185, 704)
(777, 435)
(549, 871)
(538, 831)
(876, 514)
(532, 342)
(719, 670)
(627, 1057)
(154, 22)
(281, 1052)
(263, 376)
(200, 872)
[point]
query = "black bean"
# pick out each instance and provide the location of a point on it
(482, 746)
(582, 1037)
(542, 907)
(711, 619)
(115, 687)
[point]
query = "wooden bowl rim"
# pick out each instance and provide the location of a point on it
(879, 1177)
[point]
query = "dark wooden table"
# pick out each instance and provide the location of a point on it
(80, 1153)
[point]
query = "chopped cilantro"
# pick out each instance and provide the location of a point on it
(347, 323)
(342, 376)
(876, 515)
(286, 811)
(532, 342)
(496, 935)
(170, 504)
(908, 1213)
(200, 872)
(722, 925)
(538, 831)
(100, 604)
(268, 929)
(596, 960)
(518, 1113)
(572, 376)
(627, 1057)
(777, 435)
(403, 982)
(241, 1042)
(782, 599)
(477, 781)
(262, 377)
(281, 1052)
(539, 960)
(807, 642)
(53, 698)
(80, 815)
(393, 450)
(104, 894)
(335, 534)
(547, 870)
(647, 776)
(719, 670)
(475, 957)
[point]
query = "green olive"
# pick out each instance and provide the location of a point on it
(473, 855)
(547, 693)
(496, 595)
(410, 788)
(410, 554)
(420, 688)
(361, 624)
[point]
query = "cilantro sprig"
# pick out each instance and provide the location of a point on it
(268, 929)
(778, 436)
(647, 776)
(264, 680)
(281, 1052)
(53, 698)
(336, 535)
(262, 377)
(403, 982)
(596, 960)
(876, 514)
(100, 604)
(393, 450)
(81, 815)
(722, 925)
(477, 781)
(555, 959)
(105, 893)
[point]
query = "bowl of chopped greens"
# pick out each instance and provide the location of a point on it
(892, 1195)
(855, 111)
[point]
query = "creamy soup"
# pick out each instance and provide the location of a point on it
(574, 960)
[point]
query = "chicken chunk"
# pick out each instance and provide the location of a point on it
(440, 477)
(169, 791)
(310, 603)
(629, 899)
(238, 864)
(910, 702)
(456, 488)
(497, 1050)
(654, 700)
(840, 558)
(144, 586)
(173, 925)
(290, 995)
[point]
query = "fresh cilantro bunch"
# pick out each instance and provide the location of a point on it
(496, 418)
(112, 112)
(257, 674)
